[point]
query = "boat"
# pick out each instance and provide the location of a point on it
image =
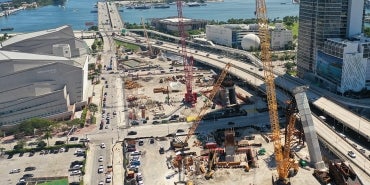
(94, 11)
(7, 29)
(120, 10)
(142, 7)
(161, 6)
(129, 7)
(193, 4)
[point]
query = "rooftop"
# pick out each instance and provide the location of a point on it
(12, 55)
(21, 37)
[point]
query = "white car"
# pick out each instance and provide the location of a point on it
(15, 171)
(101, 169)
(101, 183)
(100, 159)
(77, 166)
(102, 145)
(352, 154)
(76, 172)
(135, 153)
(140, 183)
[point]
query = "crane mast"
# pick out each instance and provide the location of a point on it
(261, 13)
(147, 39)
(204, 108)
(190, 97)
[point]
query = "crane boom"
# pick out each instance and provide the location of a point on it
(147, 38)
(204, 108)
(261, 13)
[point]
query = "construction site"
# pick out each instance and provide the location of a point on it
(236, 133)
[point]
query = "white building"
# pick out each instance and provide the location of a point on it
(55, 42)
(344, 65)
(280, 37)
(230, 35)
(42, 85)
(171, 24)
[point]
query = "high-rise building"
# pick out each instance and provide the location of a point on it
(332, 50)
(322, 19)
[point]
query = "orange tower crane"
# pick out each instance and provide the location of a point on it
(150, 50)
(283, 163)
(204, 108)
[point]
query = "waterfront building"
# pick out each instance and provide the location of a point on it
(171, 24)
(41, 85)
(230, 35)
(320, 21)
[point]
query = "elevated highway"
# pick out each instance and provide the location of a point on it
(250, 73)
(227, 51)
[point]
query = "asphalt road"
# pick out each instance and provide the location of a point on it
(114, 89)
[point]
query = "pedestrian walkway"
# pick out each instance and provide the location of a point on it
(118, 164)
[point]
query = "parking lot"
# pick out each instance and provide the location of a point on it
(153, 167)
(49, 165)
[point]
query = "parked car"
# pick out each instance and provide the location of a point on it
(26, 176)
(135, 153)
(141, 142)
(84, 140)
(30, 168)
(73, 139)
(134, 122)
(151, 141)
(76, 172)
(32, 153)
(108, 179)
(15, 171)
(132, 133)
(155, 122)
(100, 159)
(161, 150)
(179, 130)
(60, 142)
(139, 177)
(102, 145)
(101, 169)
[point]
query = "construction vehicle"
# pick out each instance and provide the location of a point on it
(204, 108)
(283, 163)
(211, 161)
(150, 49)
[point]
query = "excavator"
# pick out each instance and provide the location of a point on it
(211, 161)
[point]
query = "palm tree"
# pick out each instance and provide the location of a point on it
(93, 108)
(48, 136)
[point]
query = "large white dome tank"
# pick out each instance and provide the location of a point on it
(250, 41)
